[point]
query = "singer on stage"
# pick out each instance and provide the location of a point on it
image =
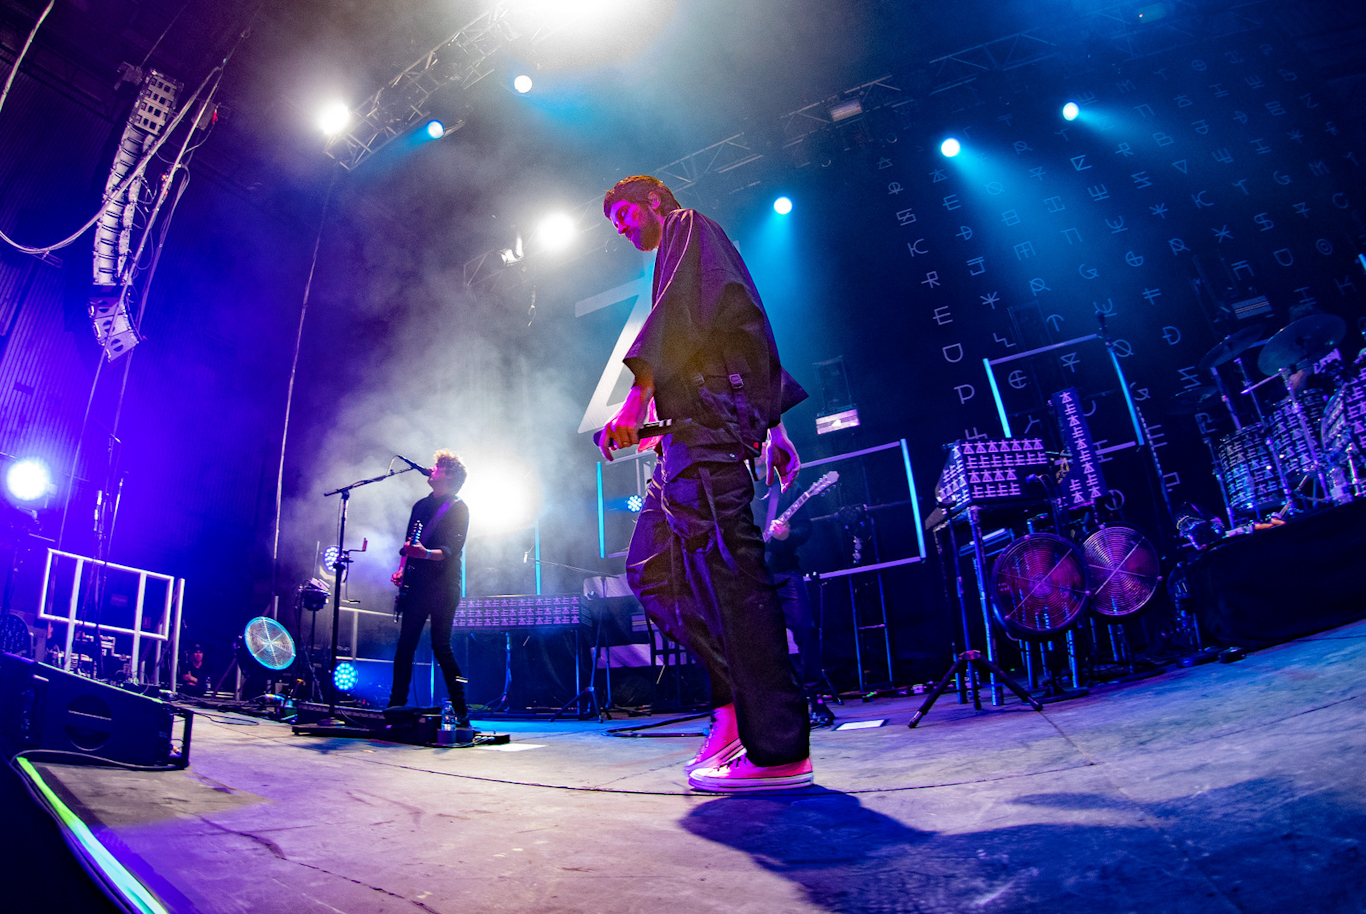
(707, 358)
(430, 568)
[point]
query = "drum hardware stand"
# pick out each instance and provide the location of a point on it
(1250, 389)
(830, 690)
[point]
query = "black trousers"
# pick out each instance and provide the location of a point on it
(795, 600)
(696, 562)
(415, 615)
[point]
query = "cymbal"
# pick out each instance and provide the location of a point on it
(1301, 342)
(1190, 401)
(1232, 346)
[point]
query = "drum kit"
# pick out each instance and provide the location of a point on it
(1304, 444)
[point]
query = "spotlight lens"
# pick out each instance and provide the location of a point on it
(557, 231)
(1070, 111)
(634, 504)
(950, 147)
(436, 130)
(522, 84)
(782, 206)
(28, 480)
(344, 677)
(334, 118)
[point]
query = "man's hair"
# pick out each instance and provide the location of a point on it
(452, 465)
(637, 189)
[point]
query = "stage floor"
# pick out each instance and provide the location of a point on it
(1237, 787)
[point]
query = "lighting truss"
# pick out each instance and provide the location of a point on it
(461, 60)
(819, 116)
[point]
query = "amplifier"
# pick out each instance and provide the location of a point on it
(989, 469)
(520, 611)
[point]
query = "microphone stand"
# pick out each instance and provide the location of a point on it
(338, 567)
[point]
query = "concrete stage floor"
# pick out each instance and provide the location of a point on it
(1237, 787)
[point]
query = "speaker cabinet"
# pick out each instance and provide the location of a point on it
(44, 708)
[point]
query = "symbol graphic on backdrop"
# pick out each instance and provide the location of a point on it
(1240, 117)
(965, 397)
(1141, 180)
(914, 247)
(1054, 321)
(1297, 136)
(1264, 220)
(1171, 335)
(1276, 108)
(1005, 341)
(1319, 168)
(1242, 185)
(1163, 139)
(1222, 155)
(953, 352)
(991, 298)
(942, 316)
(1010, 217)
(1152, 294)
(1201, 127)
(1284, 257)
(1190, 377)
(1070, 361)
(931, 279)
(1171, 480)
(965, 232)
(1022, 147)
(938, 175)
(1200, 201)
(973, 435)
(1183, 101)
(1280, 178)
(1239, 267)
(1079, 162)
(599, 409)
(995, 188)
(1086, 273)
(1344, 284)
(895, 188)
(1219, 90)
(1221, 233)
(1340, 200)
(1124, 149)
(1254, 81)
(1070, 234)
(1259, 146)
(1107, 309)
(1305, 297)
(1133, 260)
(1140, 393)
(1098, 193)
(1037, 285)
(951, 202)
(1177, 245)
(1037, 172)
(905, 216)
(884, 163)
(1018, 379)
(1126, 86)
(1123, 348)
(977, 266)
(1033, 421)
(1116, 225)
(1054, 204)
(1159, 210)
(1024, 250)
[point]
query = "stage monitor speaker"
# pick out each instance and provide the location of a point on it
(44, 708)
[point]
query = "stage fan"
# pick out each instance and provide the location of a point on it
(1039, 586)
(268, 643)
(1123, 567)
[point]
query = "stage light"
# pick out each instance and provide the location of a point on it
(782, 206)
(950, 147)
(436, 130)
(556, 232)
(28, 480)
(502, 492)
(522, 84)
(344, 677)
(1070, 111)
(634, 503)
(334, 118)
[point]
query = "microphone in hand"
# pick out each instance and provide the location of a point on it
(425, 471)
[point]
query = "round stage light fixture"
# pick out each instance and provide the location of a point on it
(556, 232)
(950, 147)
(1070, 111)
(334, 118)
(436, 130)
(345, 676)
(522, 84)
(28, 480)
(268, 643)
(634, 503)
(782, 206)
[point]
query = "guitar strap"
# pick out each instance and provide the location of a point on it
(436, 518)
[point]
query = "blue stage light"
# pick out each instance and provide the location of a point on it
(950, 147)
(436, 130)
(28, 480)
(782, 206)
(1070, 111)
(344, 677)
(634, 503)
(522, 84)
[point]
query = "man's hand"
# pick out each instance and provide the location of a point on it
(779, 530)
(621, 430)
(397, 578)
(780, 457)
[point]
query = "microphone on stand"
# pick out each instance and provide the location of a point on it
(425, 471)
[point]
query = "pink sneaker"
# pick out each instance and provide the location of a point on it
(722, 743)
(742, 774)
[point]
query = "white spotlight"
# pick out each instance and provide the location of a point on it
(334, 118)
(502, 493)
(950, 147)
(522, 84)
(782, 206)
(556, 232)
(1070, 111)
(28, 480)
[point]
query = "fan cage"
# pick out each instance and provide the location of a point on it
(269, 643)
(1124, 570)
(1039, 586)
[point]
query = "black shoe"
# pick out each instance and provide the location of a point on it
(821, 715)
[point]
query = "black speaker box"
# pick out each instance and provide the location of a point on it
(44, 708)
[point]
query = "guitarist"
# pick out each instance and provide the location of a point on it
(783, 540)
(429, 575)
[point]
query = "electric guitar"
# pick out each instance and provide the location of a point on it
(825, 482)
(403, 582)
